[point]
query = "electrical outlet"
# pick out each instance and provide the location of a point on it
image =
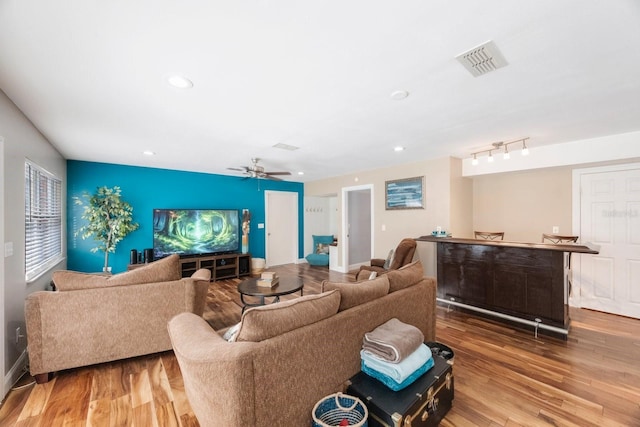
(555, 229)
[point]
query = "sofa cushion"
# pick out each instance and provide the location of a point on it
(268, 321)
(322, 248)
(164, 270)
(356, 293)
(231, 332)
(66, 280)
(405, 276)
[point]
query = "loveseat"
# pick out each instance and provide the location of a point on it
(92, 318)
(287, 356)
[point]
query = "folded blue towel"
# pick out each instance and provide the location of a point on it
(390, 382)
(398, 371)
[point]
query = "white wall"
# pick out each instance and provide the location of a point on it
(391, 226)
(21, 140)
(3, 388)
(318, 219)
(611, 148)
(523, 204)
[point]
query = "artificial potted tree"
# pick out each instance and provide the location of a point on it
(109, 220)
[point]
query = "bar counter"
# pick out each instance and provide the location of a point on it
(515, 282)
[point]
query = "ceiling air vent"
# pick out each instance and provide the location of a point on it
(482, 59)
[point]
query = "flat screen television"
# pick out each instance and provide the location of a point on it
(195, 231)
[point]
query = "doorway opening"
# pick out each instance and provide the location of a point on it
(357, 226)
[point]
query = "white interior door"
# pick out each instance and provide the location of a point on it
(281, 234)
(610, 218)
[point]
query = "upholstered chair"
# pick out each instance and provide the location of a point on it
(402, 256)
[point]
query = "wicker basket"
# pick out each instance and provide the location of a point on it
(257, 266)
(334, 408)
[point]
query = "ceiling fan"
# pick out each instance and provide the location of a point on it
(257, 171)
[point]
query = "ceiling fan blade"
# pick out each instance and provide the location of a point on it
(238, 169)
(278, 173)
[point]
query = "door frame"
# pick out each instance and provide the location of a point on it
(345, 221)
(575, 299)
(294, 226)
(4, 386)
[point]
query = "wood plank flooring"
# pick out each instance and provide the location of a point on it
(503, 376)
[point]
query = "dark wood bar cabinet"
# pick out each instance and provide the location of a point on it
(519, 283)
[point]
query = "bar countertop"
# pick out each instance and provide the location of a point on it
(565, 247)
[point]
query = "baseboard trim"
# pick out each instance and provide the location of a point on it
(15, 372)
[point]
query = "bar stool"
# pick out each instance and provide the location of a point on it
(558, 239)
(489, 235)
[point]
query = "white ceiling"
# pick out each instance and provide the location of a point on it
(91, 76)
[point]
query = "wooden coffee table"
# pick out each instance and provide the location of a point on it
(286, 285)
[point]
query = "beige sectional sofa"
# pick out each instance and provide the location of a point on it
(289, 355)
(91, 318)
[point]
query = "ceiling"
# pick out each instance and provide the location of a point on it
(92, 77)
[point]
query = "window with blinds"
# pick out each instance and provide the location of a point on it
(43, 220)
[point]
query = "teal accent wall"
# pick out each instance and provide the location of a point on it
(149, 188)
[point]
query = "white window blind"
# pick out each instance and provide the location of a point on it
(43, 220)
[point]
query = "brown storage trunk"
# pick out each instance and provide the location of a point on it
(423, 403)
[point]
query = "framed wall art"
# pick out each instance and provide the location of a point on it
(405, 193)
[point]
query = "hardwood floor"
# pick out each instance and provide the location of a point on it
(503, 376)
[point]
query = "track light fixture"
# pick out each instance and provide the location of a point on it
(501, 146)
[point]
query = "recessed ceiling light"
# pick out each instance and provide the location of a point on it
(180, 82)
(398, 148)
(287, 147)
(148, 153)
(399, 94)
(300, 173)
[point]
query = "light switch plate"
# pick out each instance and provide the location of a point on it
(8, 249)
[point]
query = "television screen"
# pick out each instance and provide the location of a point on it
(195, 231)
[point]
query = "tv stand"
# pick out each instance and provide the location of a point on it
(223, 266)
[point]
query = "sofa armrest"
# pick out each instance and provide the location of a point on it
(203, 274)
(431, 286)
(377, 262)
(205, 358)
(196, 291)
